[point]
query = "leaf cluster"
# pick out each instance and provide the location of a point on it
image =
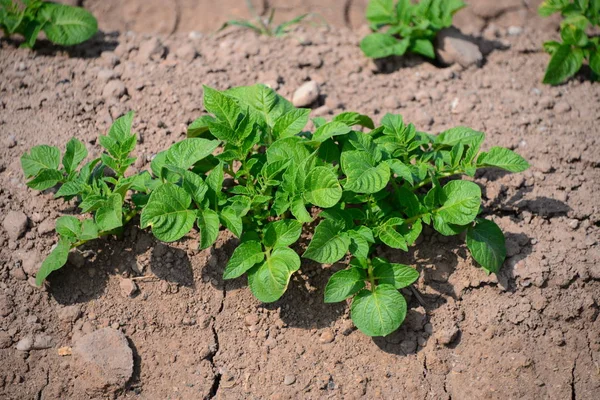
(63, 25)
(567, 56)
(250, 167)
(406, 26)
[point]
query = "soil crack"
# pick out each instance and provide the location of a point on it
(217, 379)
(573, 394)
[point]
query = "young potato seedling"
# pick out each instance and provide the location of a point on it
(406, 27)
(567, 56)
(371, 190)
(63, 25)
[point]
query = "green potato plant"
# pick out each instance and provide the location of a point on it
(367, 186)
(567, 57)
(406, 27)
(63, 25)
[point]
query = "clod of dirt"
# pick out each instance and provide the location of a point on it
(289, 380)
(46, 226)
(454, 47)
(562, 107)
(6, 305)
(448, 335)
(327, 336)
(151, 49)
(105, 361)
(37, 342)
(493, 8)
(306, 94)
(128, 287)
(15, 224)
(5, 340)
(29, 262)
(69, 313)
(186, 52)
(18, 273)
(114, 89)
(11, 141)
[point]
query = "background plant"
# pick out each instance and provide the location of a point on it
(366, 191)
(62, 24)
(576, 46)
(406, 26)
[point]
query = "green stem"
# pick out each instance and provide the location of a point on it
(439, 175)
(370, 275)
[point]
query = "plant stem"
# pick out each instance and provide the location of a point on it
(370, 275)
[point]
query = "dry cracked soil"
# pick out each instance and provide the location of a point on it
(531, 332)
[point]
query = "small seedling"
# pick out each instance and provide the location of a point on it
(567, 57)
(371, 190)
(265, 26)
(406, 27)
(63, 25)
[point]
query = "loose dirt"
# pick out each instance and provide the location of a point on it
(532, 332)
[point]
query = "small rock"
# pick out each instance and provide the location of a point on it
(6, 305)
(69, 313)
(5, 340)
(454, 47)
(128, 287)
(447, 336)
(562, 107)
(515, 30)
(289, 380)
(187, 52)
(104, 360)
(18, 273)
(25, 344)
(545, 167)
(11, 141)
(15, 224)
(41, 342)
(114, 89)
(151, 49)
(251, 320)
(32, 319)
(327, 336)
(46, 226)
(574, 224)
(306, 94)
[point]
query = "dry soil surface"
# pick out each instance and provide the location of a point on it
(532, 332)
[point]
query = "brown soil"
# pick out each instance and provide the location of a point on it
(532, 332)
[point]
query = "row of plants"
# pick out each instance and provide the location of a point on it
(251, 168)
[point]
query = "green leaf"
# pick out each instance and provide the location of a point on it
(291, 123)
(503, 158)
(329, 243)
(39, 158)
(290, 148)
(344, 284)
(398, 275)
(381, 45)
(68, 226)
(460, 134)
(595, 61)
(282, 233)
(352, 118)
(56, 260)
(364, 174)
(188, 152)
(120, 130)
(378, 312)
(269, 280)
(299, 210)
(330, 129)
(391, 237)
(199, 126)
(66, 25)
(74, 154)
(232, 220)
(168, 213)
(486, 242)
(89, 230)
(565, 62)
(423, 47)
(244, 257)
(463, 199)
(381, 12)
(222, 106)
(208, 222)
(110, 215)
(45, 179)
(322, 188)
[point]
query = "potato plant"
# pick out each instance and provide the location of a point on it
(567, 56)
(406, 27)
(363, 186)
(64, 25)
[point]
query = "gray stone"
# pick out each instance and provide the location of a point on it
(104, 360)
(289, 379)
(454, 47)
(15, 224)
(306, 94)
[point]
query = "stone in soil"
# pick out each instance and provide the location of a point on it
(37, 342)
(327, 336)
(306, 94)
(448, 335)
(114, 89)
(128, 287)
(454, 47)
(15, 224)
(104, 360)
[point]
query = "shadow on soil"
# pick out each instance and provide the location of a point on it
(93, 48)
(88, 269)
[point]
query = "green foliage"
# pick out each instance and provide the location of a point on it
(567, 57)
(367, 186)
(406, 26)
(63, 25)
